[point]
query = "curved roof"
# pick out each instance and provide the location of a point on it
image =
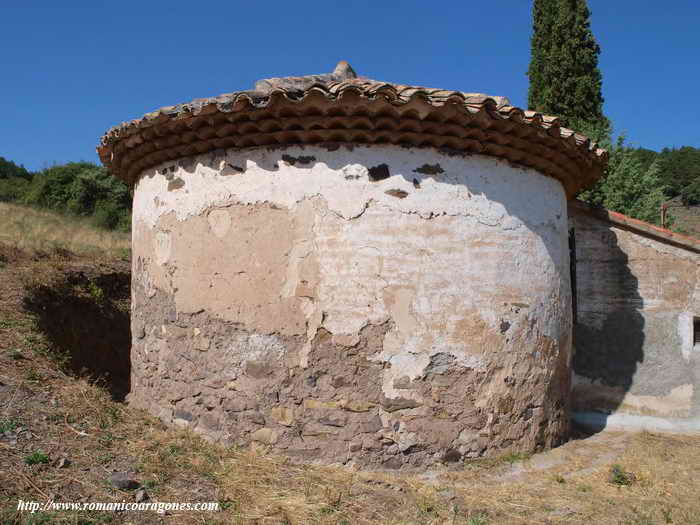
(342, 107)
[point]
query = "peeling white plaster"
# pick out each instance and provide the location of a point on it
(461, 189)
(444, 256)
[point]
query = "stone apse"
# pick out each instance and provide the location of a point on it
(352, 271)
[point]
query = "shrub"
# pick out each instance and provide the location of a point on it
(84, 189)
(13, 189)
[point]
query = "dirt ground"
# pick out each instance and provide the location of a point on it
(64, 433)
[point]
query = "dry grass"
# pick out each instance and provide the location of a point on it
(66, 416)
(580, 489)
(30, 229)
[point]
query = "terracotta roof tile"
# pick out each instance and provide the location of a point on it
(640, 227)
(341, 107)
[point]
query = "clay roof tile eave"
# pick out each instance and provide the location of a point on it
(446, 115)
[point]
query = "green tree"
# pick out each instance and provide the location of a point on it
(646, 156)
(9, 169)
(543, 12)
(564, 77)
(82, 188)
(14, 181)
(629, 187)
(682, 173)
(565, 81)
(634, 191)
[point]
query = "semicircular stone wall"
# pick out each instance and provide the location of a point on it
(378, 306)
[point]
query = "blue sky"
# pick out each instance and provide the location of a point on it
(73, 69)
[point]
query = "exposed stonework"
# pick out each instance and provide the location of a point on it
(355, 306)
(638, 290)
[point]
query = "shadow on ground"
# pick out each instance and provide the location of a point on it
(83, 310)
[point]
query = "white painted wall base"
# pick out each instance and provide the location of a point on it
(599, 421)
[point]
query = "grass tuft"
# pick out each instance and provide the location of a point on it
(619, 476)
(478, 519)
(36, 458)
(8, 425)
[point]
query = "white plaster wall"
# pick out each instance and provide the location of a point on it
(478, 244)
(488, 190)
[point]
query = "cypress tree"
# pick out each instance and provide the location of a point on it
(564, 77)
(540, 46)
(565, 81)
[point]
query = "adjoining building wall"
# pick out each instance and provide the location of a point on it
(637, 293)
(379, 306)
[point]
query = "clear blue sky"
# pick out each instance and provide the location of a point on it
(73, 69)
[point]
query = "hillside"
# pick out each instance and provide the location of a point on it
(64, 340)
(686, 218)
(35, 230)
(80, 189)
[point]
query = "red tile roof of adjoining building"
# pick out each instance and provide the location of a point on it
(641, 227)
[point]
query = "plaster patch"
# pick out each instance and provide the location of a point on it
(163, 247)
(259, 346)
(219, 222)
(403, 365)
(685, 332)
(398, 302)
